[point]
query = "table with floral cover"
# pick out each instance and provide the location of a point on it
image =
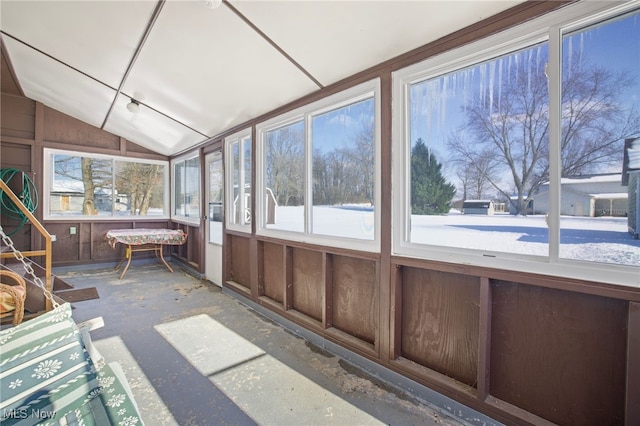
(144, 239)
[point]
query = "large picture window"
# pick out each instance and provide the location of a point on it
(186, 189)
(100, 186)
(318, 171)
(513, 147)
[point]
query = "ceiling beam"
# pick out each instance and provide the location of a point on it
(273, 44)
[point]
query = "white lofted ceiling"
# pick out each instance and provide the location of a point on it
(198, 71)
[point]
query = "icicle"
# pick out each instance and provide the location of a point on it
(481, 67)
(492, 72)
(443, 103)
(500, 67)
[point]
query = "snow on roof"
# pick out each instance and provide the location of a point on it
(610, 196)
(614, 177)
(67, 186)
(74, 187)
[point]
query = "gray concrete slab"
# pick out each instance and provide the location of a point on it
(175, 381)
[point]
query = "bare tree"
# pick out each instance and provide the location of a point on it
(285, 165)
(346, 175)
(139, 182)
(506, 132)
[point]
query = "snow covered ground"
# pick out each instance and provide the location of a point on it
(601, 239)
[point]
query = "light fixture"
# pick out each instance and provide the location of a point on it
(133, 106)
(211, 4)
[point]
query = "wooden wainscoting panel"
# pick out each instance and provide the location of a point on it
(98, 246)
(355, 305)
(66, 248)
(273, 267)
(240, 271)
(440, 322)
(559, 354)
(308, 283)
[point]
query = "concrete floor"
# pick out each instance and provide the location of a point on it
(195, 355)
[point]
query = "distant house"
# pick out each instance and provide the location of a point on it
(588, 195)
(67, 196)
(631, 179)
(485, 207)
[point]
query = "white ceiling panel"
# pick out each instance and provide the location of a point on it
(98, 38)
(201, 71)
(59, 87)
(220, 75)
(150, 129)
(336, 39)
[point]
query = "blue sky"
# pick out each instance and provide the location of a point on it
(615, 45)
(339, 127)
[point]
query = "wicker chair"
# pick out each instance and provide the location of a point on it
(12, 296)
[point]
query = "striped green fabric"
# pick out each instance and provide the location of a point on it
(48, 377)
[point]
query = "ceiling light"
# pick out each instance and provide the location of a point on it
(133, 106)
(211, 4)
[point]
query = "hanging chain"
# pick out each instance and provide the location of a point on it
(36, 279)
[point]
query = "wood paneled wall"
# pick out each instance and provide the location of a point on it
(27, 128)
(520, 350)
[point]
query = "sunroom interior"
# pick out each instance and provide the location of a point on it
(317, 156)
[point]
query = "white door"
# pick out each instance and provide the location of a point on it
(214, 218)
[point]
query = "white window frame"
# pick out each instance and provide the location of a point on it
(48, 153)
(188, 220)
(240, 139)
(370, 89)
(549, 28)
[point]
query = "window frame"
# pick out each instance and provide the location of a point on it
(239, 138)
(550, 29)
(366, 90)
(188, 220)
(48, 171)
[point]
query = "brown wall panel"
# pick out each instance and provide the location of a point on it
(98, 245)
(355, 305)
(239, 260)
(67, 246)
(308, 283)
(558, 354)
(59, 127)
(18, 117)
(85, 237)
(273, 270)
(7, 81)
(16, 156)
(440, 320)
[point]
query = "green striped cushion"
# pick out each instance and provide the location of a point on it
(45, 370)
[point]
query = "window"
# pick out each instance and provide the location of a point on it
(317, 171)
(103, 186)
(510, 157)
(479, 133)
(216, 196)
(238, 148)
(284, 177)
(600, 110)
(186, 189)
(343, 164)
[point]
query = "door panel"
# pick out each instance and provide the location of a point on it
(215, 217)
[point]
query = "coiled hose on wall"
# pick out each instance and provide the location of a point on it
(28, 196)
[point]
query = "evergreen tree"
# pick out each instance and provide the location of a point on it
(430, 191)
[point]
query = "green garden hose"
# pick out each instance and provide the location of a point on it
(28, 196)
